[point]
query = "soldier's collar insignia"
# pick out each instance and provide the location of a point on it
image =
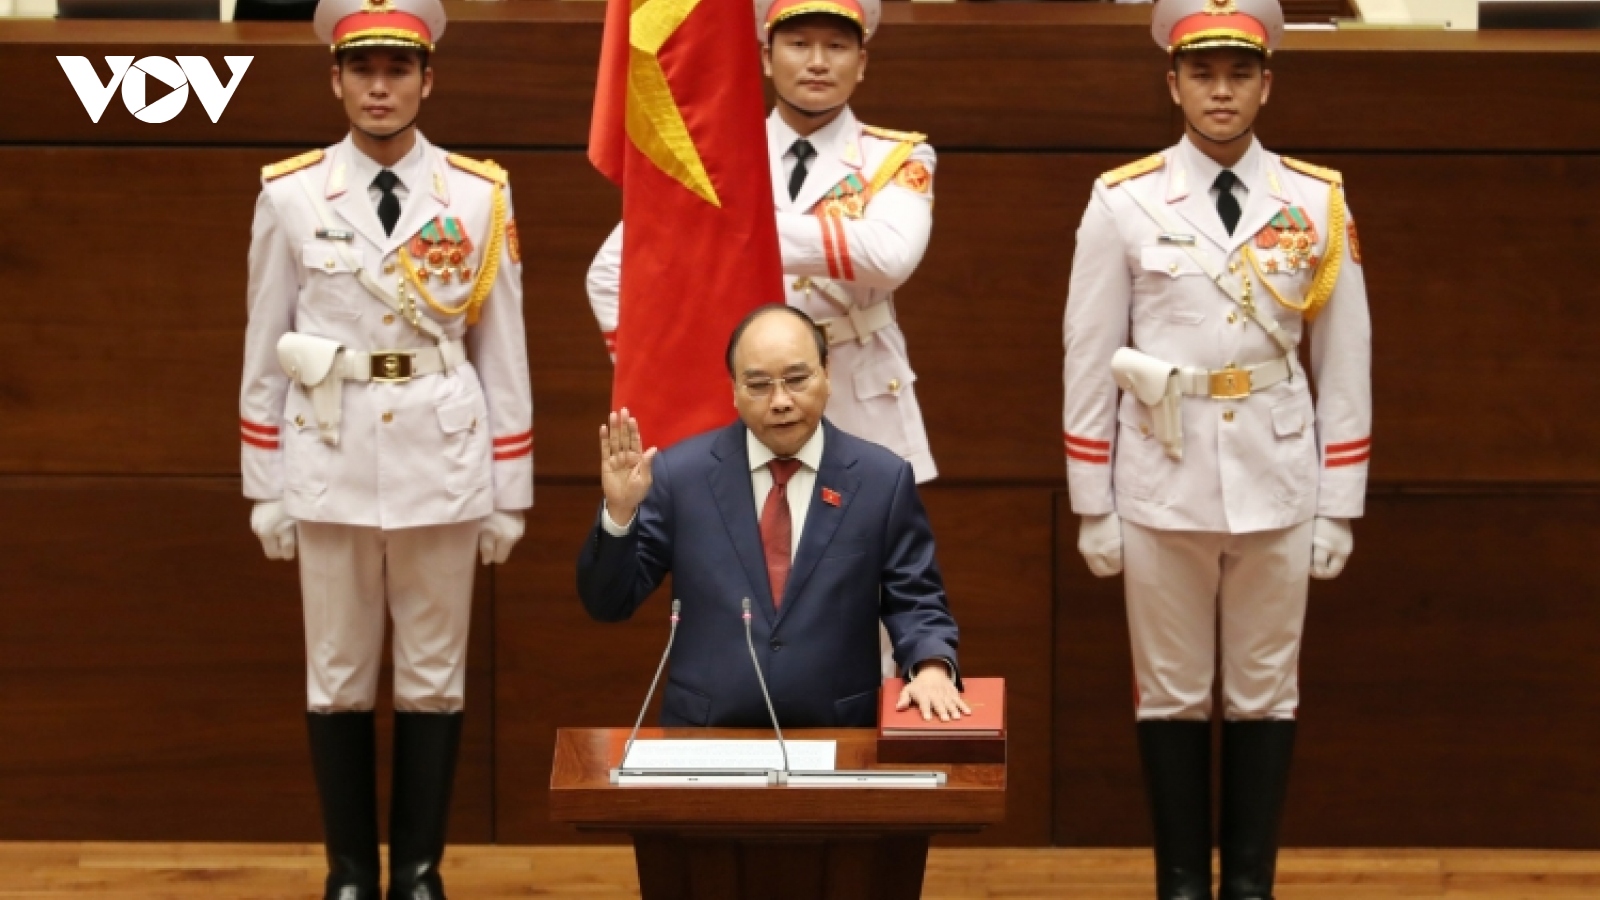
(441, 193)
(851, 153)
(1274, 183)
(335, 185)
(1177, 183)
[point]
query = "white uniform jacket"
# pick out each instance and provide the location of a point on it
(845, 251)
(1266, 461)
(438, 449)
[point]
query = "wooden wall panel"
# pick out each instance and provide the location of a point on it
(1447, 683)
(1472, 296)
(556, 668)
(152, 671)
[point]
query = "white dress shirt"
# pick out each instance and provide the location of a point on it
(412, 170)
(798, 491)
(1204, 171)
(821, 140)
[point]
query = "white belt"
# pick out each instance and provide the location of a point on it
(321, 367)
(858, 324)
(1233, 382)
(1160, 386)
(400, 366)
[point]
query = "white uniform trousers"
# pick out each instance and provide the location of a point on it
(352, 576)
(1185, 589)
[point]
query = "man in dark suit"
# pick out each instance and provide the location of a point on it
(822, 531)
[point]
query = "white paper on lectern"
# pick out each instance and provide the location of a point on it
(721, 754)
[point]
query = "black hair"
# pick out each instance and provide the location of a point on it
(861, 36)
(1260, 56)
(754, 314)
(420, 53)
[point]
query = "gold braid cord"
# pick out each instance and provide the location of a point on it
(473, 305)
(1327, 274)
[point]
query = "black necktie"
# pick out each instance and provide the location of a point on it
(1227, 203)
(803, 152)
(388, 204)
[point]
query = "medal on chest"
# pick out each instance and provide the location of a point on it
(441, 250)
(1290, 242)
(846, 200)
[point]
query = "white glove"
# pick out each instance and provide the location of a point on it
(1331, 544)
(275, 529)
(1100, 542)
(497, 535)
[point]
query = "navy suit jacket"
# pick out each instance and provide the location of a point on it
(870, 556)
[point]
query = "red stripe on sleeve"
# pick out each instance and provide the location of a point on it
(514, 453)
(845, 265)
(254, 441)
(514, 439)
(1347, 446)
(258, 429)
(1335, 462)
(827, 247)
(1086, 443)
(1080, 456)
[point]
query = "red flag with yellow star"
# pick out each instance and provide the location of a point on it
(679, 124)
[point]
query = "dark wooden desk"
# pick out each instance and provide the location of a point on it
(712, 843)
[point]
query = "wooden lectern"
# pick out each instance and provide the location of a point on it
(776, 842)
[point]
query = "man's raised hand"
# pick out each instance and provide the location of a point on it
(624, 466)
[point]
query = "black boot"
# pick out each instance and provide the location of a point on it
(1255, 778)
(1177, 775)
(342, 755)
(425, 746)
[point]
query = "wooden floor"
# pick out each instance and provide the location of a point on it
(293, 872)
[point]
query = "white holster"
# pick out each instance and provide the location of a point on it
(309, 360)
(1155, 384)
(1162, 386)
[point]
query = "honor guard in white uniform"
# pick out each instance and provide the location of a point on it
(1198, 456)
(386, 428)
(855, 210)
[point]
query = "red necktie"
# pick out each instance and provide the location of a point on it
(776, 528)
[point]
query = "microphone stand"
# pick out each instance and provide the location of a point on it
(761, 680)
(677, 606)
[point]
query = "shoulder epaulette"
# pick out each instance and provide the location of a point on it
(1331, 176)
(1133, 170)
(889, 134)
(483, 168)
(293, 164)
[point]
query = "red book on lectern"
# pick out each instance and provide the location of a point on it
(903, 735)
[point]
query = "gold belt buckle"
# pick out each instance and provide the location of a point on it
(1230, 383)
(392, 366)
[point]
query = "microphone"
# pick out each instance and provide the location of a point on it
(677, 606)
(761, 680)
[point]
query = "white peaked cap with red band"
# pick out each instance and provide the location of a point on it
(1180, 25)
(771, 13)
(347, 24)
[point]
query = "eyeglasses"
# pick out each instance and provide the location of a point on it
(762, 388)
